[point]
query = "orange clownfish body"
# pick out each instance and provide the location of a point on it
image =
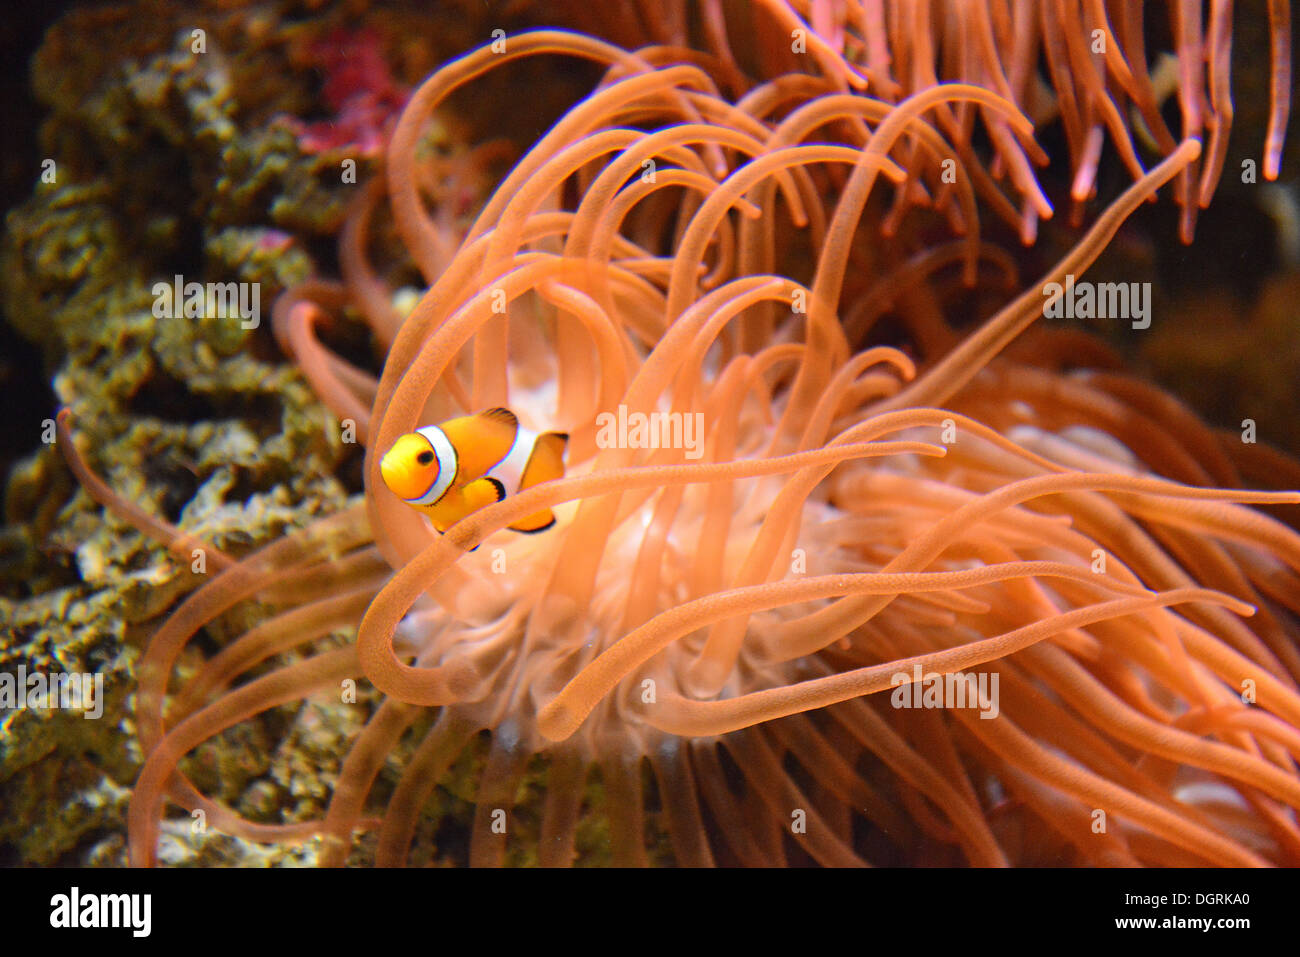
(447, 471)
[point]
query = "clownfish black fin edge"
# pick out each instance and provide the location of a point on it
(534, 531)
(505, 415)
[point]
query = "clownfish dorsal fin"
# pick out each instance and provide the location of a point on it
(481, 440)
(499, 414)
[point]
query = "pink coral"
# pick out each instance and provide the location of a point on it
(358, 89)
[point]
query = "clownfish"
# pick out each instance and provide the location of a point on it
(447, 471)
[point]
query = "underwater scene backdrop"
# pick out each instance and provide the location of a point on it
(701, 432)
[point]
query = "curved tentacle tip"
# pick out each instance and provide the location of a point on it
(67, 448)
(557, 722)
(1192, 147)
(63, 430)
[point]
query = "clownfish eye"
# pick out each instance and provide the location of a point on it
(425, 458)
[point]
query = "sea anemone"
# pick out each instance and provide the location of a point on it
(1083, 62)
(717, 629)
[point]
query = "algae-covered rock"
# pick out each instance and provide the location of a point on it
(158, 169)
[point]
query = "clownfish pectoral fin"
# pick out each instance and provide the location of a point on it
(545, 463)
(460, 500)
(464, 499)
(482, 492)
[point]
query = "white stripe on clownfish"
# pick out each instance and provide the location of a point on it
(448, 465)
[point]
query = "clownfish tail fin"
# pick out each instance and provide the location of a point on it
(545, 463)
(552, 443)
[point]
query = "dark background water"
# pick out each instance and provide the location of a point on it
(24, 384)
